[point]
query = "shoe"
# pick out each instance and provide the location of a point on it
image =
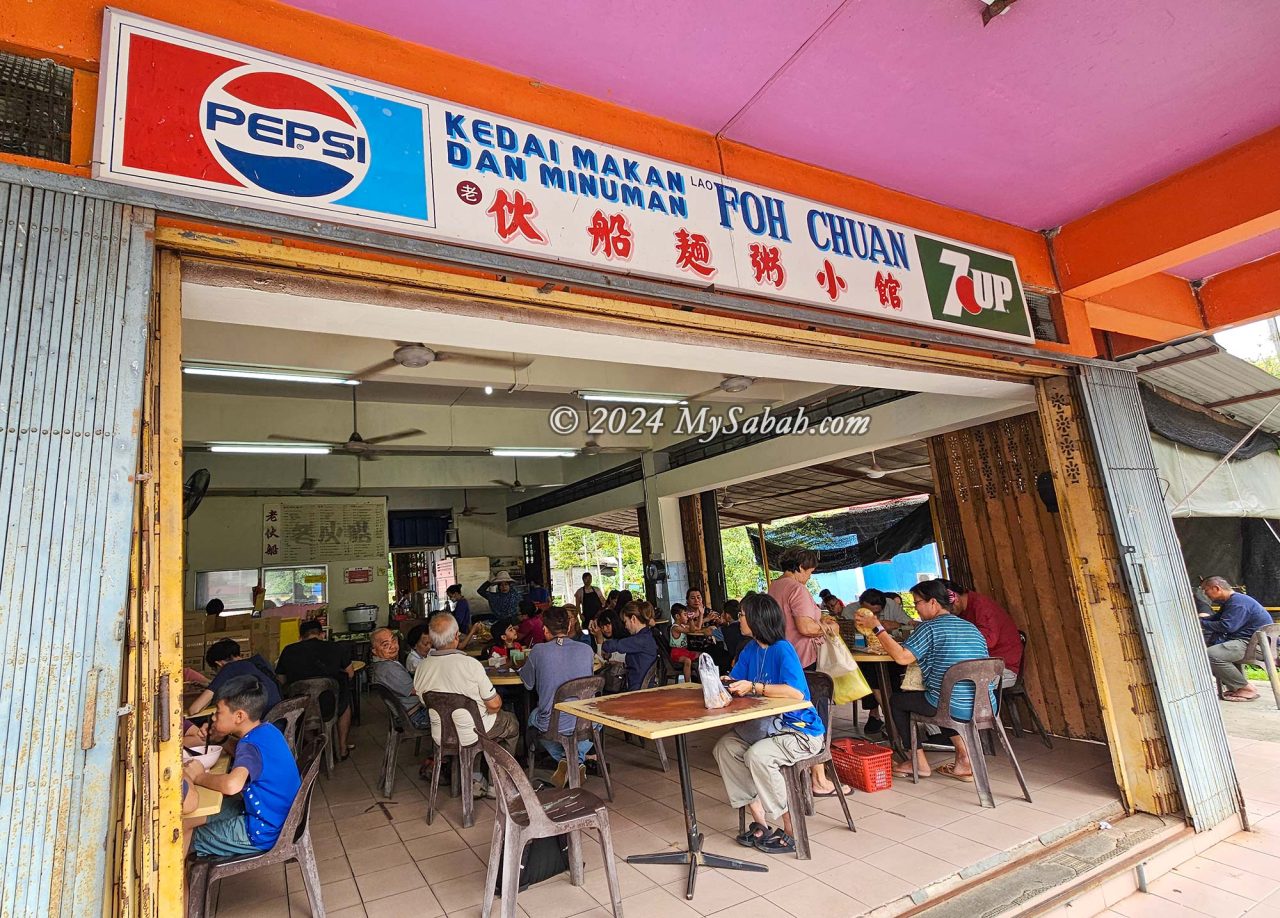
(582, 775)
(561, 775)
(479, 790)
(873, 725)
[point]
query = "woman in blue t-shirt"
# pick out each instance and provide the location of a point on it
(941, 641)
(751, 755)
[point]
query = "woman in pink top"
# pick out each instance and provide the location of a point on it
(803, 621)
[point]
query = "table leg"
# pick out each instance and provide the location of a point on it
(886, 688)
(694, 856)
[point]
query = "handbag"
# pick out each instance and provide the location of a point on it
(834, 657)
(543, 859)
(752, 731)
(912, 679)
(849, 687)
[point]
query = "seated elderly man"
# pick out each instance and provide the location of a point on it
(447, 669)
(386, 670)
(1227, 633)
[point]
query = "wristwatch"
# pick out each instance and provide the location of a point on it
(878, 629)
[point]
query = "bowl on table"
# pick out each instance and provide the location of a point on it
(207, 759)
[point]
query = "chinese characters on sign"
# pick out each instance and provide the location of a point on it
(302, 533)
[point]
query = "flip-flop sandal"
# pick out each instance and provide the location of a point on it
(1239, 698)
(949, 770)
(779, 842)
(906, 773)
(832, 792)
(754, 833)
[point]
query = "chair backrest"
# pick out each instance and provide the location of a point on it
(1022, 636)
(653, 678)
(821, 688)
(985, 676)
(574, 690)
(444, 704)
(512, 785)
(323, 691)
(287, 716)
(395, 710)
(299, 812)
(1269, 633)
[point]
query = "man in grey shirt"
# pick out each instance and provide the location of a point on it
(551, 665)
(387, 671)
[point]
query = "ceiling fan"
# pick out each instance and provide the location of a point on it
(517, 486)
(732, 385)
(468, 510)
(876, 470)
(355, 444)
(415, 356)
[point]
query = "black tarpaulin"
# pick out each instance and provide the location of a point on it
(1200, 431)
(854, 538)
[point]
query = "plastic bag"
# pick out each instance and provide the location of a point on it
(850, 687)
(912, 679)
(714, 694)
(834, 658)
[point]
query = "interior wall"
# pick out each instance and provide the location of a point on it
(226, 533)
(1015, 551)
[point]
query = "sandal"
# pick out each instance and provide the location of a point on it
(755, 833)
(779, 842)
(904, 771)
(831, 793)
(1241, 697)
(949, 770)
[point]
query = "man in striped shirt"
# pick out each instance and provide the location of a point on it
(942, 640)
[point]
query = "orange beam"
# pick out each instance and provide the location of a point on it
(1158, 308)
(1222, 201)
(1245, 294)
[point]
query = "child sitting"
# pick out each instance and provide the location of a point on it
(504, 639)
(261, 784)
(686, 621)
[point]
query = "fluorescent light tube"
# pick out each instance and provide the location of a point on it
(284, 449)
(638, 398)
(517, 453)
(271, 375)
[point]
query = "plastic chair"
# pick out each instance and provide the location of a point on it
(1018, 693)
(287, 716)
(1263, 650)
(294, 844)
(444, 704)
(524, 815)
(799, 790)
(322, 714)
(574, 690)
(652, 679)
(985, 676)
(399, 728)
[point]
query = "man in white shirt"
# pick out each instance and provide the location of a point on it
(447, 669)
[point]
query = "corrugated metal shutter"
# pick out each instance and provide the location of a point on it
(75, 279)
(1161, 589)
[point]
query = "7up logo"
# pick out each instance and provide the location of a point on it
(975, 289)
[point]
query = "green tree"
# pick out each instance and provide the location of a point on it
(741, 570)
(574, 546)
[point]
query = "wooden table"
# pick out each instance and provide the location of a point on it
(886, 691)
(210, 799)
(675, 711)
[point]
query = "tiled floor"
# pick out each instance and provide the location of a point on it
(380, 858)
(1240, 876)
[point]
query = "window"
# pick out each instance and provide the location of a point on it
(234, 588)
(285, 585)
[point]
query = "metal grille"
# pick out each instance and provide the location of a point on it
(1161, 590)
(1040, 305)
(35, 108)
(75, 278)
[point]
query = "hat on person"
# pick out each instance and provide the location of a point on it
(503, 577)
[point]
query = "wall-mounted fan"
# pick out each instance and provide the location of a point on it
(194, 490)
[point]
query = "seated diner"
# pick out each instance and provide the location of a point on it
(752, 754)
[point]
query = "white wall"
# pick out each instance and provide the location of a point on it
(226, 533)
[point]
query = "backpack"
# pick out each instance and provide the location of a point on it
(543, 859)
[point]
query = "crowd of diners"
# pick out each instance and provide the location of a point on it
(763, 645)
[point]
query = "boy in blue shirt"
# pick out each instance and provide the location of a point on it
(261, 784)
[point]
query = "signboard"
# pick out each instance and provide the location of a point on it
(195, 115)
(357, 575)
(306, 533)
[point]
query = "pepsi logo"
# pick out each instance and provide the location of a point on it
(284, 134)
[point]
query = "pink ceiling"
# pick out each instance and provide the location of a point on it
(1056, 108)
(1230, 257)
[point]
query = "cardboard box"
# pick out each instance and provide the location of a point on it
(193, 622)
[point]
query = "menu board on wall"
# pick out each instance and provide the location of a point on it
(333, 530)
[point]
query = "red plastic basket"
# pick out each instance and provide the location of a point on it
(864, 765)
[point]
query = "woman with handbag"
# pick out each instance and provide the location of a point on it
(751, 755)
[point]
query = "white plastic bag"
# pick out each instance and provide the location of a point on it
(714, 694)
(834, 658)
